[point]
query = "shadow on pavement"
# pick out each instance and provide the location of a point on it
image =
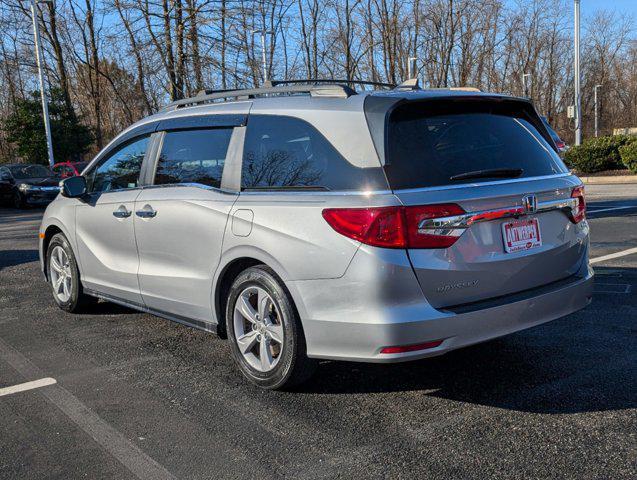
(11, 258)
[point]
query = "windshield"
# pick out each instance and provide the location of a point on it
(29, 171)
(436, 147)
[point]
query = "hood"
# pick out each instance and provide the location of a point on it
(40, 182)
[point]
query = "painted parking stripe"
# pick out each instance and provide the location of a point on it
(610, 256)
(609, 209)
(129, 455)
(22, 387)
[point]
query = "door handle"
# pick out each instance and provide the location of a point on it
(122, 212)
(146, 212)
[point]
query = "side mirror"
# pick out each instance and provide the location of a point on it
(74, 187)
(5, 177)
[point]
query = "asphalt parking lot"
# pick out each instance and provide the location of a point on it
(140, 397)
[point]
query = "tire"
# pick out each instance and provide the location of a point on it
(69, 295)
(286, 363)
(17, 201)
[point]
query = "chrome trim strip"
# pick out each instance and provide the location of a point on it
(483, 184)
(318, 192)
(455, 225)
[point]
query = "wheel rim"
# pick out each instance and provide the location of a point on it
(258, 328)
(60, 274)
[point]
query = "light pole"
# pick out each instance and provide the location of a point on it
(263, 33)
(578, 99)
(524, 86)
(411, 67)
(39, 58)
(597, 87)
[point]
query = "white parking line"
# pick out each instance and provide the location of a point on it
(609, 209)
(610, 256)
(43, 382)
(132, 457)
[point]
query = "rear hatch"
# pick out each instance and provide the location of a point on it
(504, 215)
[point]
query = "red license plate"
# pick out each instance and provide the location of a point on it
(521, 235)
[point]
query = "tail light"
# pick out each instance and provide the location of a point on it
(579, 211)
(393, 227)
(560, 145)
(380, 227)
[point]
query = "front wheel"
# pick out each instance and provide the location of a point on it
(265, 332)
(18, 200)
(64, 276)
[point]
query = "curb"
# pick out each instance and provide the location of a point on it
(609, 179)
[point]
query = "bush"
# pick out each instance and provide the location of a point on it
(598, 154)
(628, 154)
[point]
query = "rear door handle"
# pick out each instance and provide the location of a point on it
(122, 212)
(146, 212)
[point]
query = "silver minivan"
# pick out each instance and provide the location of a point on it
(312, 221)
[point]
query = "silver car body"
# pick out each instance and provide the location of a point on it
(353, 299)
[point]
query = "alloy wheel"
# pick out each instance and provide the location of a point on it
(60, 274)
(258, 327)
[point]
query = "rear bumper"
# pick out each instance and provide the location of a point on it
(354, 337)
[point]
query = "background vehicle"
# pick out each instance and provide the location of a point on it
(309, 222)
(27, 184)
(69, 169)
(559, 143)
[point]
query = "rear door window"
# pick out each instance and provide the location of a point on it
(427, 147)
(287, 153)
(193, 156)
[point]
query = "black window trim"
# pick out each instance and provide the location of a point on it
(225, 185)
(127, 140)
(156, 131)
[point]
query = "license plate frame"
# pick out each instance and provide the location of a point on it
(521, 235)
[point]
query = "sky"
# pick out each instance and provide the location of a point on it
(589, 6)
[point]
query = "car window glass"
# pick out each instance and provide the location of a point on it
(193, 156)
(428, 150)
(120, 170)
(29, 171)
(289, 153)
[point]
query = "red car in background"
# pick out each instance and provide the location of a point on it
(69, 169)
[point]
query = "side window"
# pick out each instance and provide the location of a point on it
(289, 153)
(120, 170)
(193, 156)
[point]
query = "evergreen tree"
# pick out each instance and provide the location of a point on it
(25, 128)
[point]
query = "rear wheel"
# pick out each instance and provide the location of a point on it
(265, 332)
(64, 276)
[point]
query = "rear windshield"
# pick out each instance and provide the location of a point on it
(429, 145)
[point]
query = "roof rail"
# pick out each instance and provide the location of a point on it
(319, 81)
(329, 89)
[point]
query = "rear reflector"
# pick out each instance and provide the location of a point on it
(579, 212)
(393, 227)
(411, 348)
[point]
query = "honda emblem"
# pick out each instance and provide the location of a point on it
(529, 202)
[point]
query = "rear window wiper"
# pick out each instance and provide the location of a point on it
(490, 173)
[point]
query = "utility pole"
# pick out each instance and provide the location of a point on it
(597, 87)
(578, 97)
(264, 61)
(411, 67)
(40, 59)
(525, 90)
